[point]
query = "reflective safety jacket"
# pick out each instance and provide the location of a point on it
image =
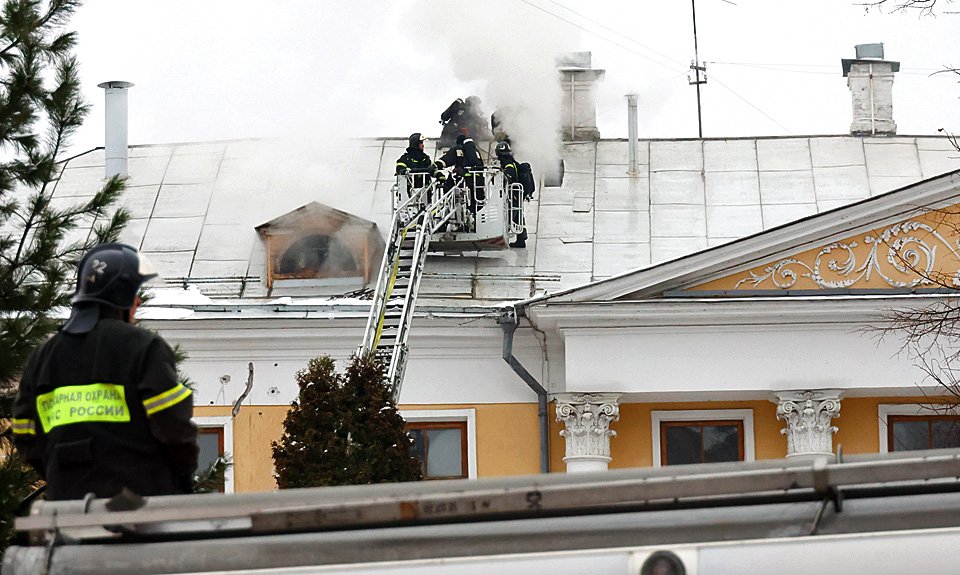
(414, 160)
(463, 158)
(509, 167)
(103, 410)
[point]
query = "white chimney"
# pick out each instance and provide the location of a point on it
(870, 79)
(579, 106)
(115, 100)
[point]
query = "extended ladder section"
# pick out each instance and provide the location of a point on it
(428, 209)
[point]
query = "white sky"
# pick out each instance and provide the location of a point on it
(213, 69)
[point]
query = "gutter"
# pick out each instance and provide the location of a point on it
(508, 323)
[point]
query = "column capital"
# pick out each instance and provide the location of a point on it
(587, 418)
(808, 414)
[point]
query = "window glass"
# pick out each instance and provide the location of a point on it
(685, 442)
(210, 441)
(910, 435)
(721, 443)
(444, 459)
(945, 433)
(683, 445)
(912, 432)
(440, 447)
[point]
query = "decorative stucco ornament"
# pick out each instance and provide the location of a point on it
(587, 418)
(809, 415)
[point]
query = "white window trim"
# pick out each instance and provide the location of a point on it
(884, 410)
(744, 415)
(441, 415)
(226, 423)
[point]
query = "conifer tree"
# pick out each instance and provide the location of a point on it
(41, 106)
(343, 429)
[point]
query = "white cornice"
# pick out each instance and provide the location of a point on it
(854, 310)
(463, 335)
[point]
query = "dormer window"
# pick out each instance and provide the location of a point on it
(318, 256)
(317, 245)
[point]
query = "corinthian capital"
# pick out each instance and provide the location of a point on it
(587, 418)
(809, 417)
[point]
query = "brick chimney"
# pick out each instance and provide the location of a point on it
(870, 79)
(579, 107)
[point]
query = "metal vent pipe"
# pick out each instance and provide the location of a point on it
(115, 136)
(632, 133)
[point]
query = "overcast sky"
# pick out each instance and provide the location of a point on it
(211, 69)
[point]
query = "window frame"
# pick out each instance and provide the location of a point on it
(745, 416)
(224, 423)
(886, 410)
(467, 416)
(459, 425)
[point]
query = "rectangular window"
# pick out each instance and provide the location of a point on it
(215, 439)
(913, 432)
(684, 442)
(441, 447)
(210, 441)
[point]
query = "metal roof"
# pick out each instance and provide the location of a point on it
(194, 206)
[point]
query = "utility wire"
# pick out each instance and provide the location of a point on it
(780, 67)
(602, 37)
(625, 37)
(766, 115)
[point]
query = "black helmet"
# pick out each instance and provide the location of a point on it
(503, 148)
(416, 139)
(109, 274)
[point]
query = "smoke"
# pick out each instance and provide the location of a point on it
(505, 52)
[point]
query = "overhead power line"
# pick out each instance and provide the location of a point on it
(624, 36)
(751, 104)
(601, 36)
(828, 69)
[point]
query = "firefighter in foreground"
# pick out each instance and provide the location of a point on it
(99, 407)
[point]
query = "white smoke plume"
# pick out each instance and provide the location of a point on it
(505, 51)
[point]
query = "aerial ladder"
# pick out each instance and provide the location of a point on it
(474, 214)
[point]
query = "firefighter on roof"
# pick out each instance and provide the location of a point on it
(100, 407)
(511, 172)
(467, 166)
(463, 117)
(416, 162)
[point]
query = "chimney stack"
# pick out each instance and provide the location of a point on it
(115, 99)
(870, 79)
(579, 107)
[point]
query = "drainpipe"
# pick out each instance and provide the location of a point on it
(115, 113)
(508, 323)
